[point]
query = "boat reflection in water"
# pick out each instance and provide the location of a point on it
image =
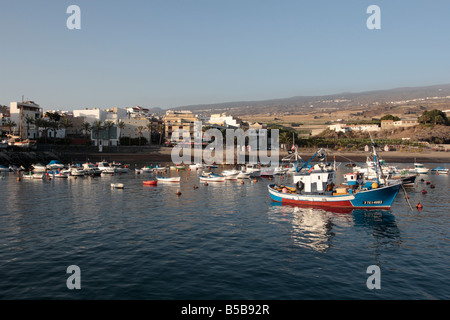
(317, 228)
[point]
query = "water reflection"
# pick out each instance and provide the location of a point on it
(316, 229)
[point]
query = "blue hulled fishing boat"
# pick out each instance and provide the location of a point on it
(314, 186)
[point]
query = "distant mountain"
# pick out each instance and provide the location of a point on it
(309, 103)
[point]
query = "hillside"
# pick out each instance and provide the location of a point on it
(306, 104)
(434, 134)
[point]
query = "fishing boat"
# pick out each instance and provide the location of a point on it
(253, 169)
(55, 164)
(150, 182)
(35, 176)
(119, 168)
(280, 170)
(91, 169)
(17, 142)
(230, 174)
(77, 171)
(117, 186)
(105, 167)
(177, 167)
(440, 170)
(419, 168)
(267, 171)
(38, 167)
(57, 174)
(160, 169)
(314, 186)
(196, 166)
(168, 179)
(147, 169)
(212, 177)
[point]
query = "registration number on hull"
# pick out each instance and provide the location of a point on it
(373, 202)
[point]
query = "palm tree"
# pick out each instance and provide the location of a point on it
(86, 127)
(38, 123)
(121, 126)
(140, 129)
(65, 123)
(29, 120)
(54, 126)
(10, 124)
(161, 132)
(46, 125)
(108, 125)
(285, 138)
(149, 129)
(97, 126)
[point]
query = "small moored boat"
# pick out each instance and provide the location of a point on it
(150, 182)
(440, 170)
(168, 179)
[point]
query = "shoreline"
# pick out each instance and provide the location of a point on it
(163, 155)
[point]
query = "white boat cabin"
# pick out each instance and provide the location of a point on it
(354, 178)
(317, 180)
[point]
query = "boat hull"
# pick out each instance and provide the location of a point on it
(162, 179)
(380, 198)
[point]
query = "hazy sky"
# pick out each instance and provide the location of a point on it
(169, 53)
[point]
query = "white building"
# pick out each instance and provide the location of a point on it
(20, 112)
(115, 114)
(90, 115)
(223, 120)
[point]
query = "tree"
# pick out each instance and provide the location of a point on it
(121, 125)
(10, 124)
(53, 116)
(285, 137)
(46, 125)
(65, 123)
(29, 120)
(390, 117)
(97, 126)
(140, 129)
(109, 124)
(161, 132)
(149, 127)
(436, 117)
(38, 123)
(86, 127)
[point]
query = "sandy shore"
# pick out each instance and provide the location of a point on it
(163, 155)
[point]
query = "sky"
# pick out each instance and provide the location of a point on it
(170, 53)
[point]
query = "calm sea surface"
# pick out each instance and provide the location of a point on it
(221, 241)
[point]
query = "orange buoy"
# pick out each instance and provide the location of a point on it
(424, 191)
(195, 186)
(242, 181)
(178, 192)
(206, 183)
(432, 186)
(419, 206)
(428, 182)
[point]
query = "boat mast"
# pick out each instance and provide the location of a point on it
(377, 162)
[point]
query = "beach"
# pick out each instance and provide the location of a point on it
(163, 155)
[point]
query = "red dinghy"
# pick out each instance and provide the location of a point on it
(150, 183)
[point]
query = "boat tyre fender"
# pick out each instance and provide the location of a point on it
(300, 185)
